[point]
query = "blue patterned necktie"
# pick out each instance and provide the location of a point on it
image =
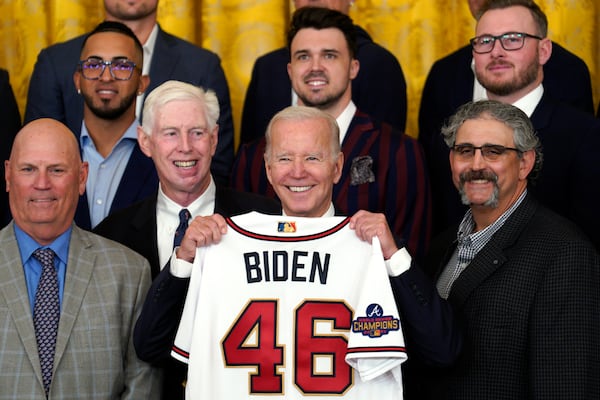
(184, 217)
(46, 313)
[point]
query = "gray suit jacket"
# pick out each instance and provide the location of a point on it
(105, 286)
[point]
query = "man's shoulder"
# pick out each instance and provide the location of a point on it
(232, 202)
(69, 48)
(187, 48)
(460, 58)
(107, 250)
(277, 56)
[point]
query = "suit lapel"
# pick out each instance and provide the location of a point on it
(143, 228)
(14, 290)
(161, 71)
(80, 266)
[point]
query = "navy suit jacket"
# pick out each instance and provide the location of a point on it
(450, 84)
(139, 181)
(399, 189)
(10, 123)
(529, 303)
(135, 227)
(52, 91)
(379, 89)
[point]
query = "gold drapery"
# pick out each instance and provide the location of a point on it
(417, 32)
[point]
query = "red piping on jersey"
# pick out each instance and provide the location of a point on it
(274, 238)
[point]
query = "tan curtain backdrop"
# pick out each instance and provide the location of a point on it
(417, 32)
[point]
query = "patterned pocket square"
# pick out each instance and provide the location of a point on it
(361, 170)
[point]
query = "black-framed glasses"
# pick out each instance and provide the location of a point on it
(510, 41)
(489, 152)
(120, 69)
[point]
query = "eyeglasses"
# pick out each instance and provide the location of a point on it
(510, 41)
(489, 152)
(120, 69)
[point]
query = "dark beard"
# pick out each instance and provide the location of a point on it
(110, 113)
(479, 175)
(507, 88)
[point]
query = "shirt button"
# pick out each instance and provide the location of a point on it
(99, 201)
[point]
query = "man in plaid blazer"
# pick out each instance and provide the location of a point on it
(384, 171)
(98, 285)
(523, 280)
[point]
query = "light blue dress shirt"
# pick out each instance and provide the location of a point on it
(33, 268)
(105, 173)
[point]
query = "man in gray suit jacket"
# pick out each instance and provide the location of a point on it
(66, 319)
(52, 92)
(523, 280)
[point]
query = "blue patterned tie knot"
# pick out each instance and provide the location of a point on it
(46, 313)
(184, 217)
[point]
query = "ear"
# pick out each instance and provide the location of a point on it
(268, 168)
(339, 164)
(7, 174)
(144, 141)
(143, 84)
(214, 140)
(544, 50)
(83, 174)
(354, 68)
(526, 164)
(76, 81)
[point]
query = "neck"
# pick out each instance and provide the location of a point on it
(106, 133)
(485, 216)
(141, 27)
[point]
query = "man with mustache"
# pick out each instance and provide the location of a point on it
(384, 170)
(522, 279)
(510, 52)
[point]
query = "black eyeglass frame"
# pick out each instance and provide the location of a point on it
(502, 37)
(489, 152)
(110, 64)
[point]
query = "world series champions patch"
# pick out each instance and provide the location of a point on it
(375, 324)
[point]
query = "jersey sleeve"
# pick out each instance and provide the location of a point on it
(185, 332)
(376, 343)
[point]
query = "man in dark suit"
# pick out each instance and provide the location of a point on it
(379, 89)
(431, 332)
(384, 170)
(180, 134)
(52, 93)
(109, 78)
(69, 298)
(516, 76)
(10, 121)
(522, 279)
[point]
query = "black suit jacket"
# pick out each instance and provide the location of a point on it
(529, 302)
(569, 137)
(379, 89)
(10, 123)
(52, 91)
(135, 227)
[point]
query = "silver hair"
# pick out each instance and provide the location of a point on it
(301, 113)
(524, 134)
(177, 91)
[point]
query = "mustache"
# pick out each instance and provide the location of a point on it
(479, 175)
(315, 74)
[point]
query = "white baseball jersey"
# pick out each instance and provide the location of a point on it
(291, 308)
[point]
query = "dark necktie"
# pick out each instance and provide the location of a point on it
(184, 217)
(46, 313)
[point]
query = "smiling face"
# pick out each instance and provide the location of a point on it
(44, 179)
(301, 166)
(509, 75)
(321, 69)
(107, 98)
(489, 186)
(181, 146)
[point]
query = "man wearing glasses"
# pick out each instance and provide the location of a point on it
(109, 78)
(510, 51)
(522, 279)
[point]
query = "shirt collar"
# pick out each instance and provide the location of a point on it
(27, 245)
(206, 201)
(149, 50)
(85, 138)
(345, 118)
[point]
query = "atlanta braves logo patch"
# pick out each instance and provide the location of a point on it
(375, 324)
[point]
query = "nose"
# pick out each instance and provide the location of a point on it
(184, 142)
(298, 168)
(105, 75)
(478, 162)
(41, 180)
(497, 48)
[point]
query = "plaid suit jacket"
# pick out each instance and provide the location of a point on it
(105, 286)
(400, 188)
(530, 304)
